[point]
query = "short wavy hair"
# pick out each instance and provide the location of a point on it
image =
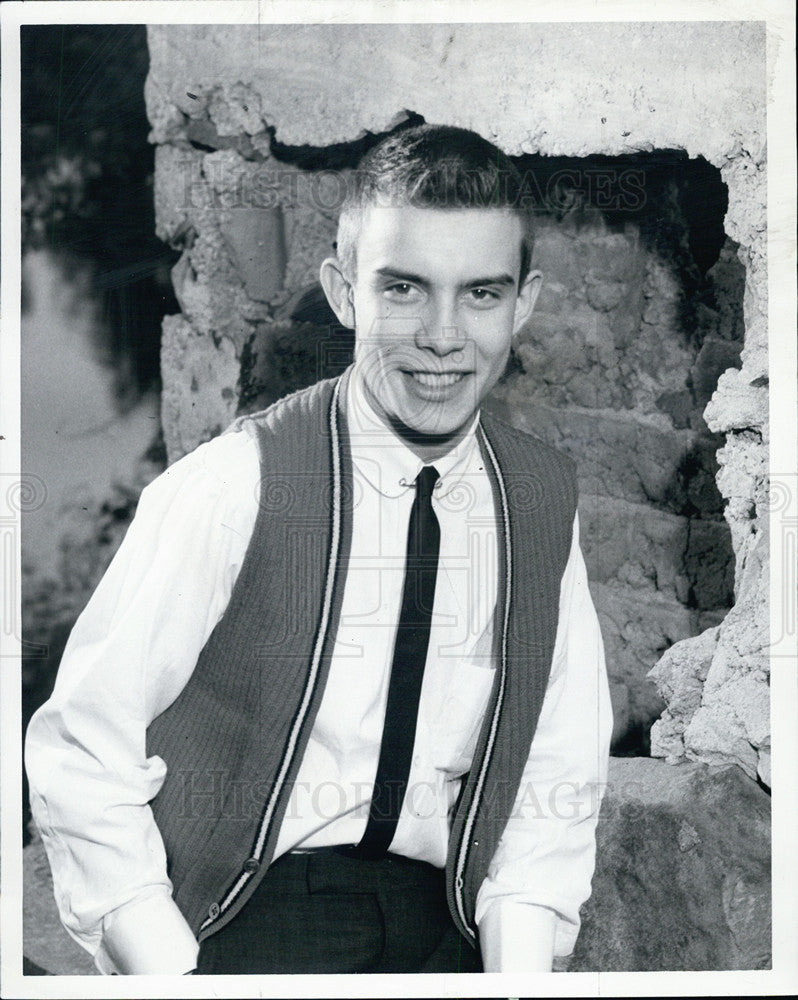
(432, 166)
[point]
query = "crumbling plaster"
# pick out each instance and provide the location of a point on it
(561, 89)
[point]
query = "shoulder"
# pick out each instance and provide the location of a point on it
(525, 448)
(225, 465)
(213, 487)
(296, 408)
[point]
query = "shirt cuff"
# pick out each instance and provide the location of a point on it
(147, 936)
(517, 937)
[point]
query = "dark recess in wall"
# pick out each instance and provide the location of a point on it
(621, 187)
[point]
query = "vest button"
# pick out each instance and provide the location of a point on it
(251, 865)
(214, 910)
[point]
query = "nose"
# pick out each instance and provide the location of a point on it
(440, 330)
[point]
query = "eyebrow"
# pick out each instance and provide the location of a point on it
(389, 272)
(499, 279)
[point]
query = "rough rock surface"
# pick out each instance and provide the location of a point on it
(500, 79)
(731, 719)
(637, 626)
(618, 454)
(715, 685)
(189, 361)
(683, 854)
(44, 940)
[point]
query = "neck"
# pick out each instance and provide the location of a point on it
(428, 447)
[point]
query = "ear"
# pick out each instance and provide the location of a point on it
(527, 296)
(338, 290)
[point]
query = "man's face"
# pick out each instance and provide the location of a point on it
(436, 303)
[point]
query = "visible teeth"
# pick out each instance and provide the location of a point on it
(437, 380)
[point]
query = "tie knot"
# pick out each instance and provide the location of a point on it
(425, 482)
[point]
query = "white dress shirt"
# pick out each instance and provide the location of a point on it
(135, 646)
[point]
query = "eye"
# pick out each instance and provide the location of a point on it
(483, 297)
(401, 291)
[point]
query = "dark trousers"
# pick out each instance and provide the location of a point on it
(326, 912)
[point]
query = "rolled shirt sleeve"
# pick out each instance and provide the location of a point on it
(545, 859)
(130, 654)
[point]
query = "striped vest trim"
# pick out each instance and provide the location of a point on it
(505, 577)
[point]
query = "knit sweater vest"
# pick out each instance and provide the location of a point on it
(234, 738)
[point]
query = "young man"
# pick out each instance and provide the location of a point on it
(339, 703)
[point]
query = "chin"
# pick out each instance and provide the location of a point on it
(430, 433)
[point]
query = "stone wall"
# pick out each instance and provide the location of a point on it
(251, 130)
(616, 367)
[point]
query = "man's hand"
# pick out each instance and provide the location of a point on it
(148, 936)
(517, 937)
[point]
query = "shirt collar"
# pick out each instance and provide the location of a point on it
(382, 458)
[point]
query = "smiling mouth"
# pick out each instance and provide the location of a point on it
(437, 379)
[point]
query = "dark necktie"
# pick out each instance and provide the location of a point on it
(407, 670)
